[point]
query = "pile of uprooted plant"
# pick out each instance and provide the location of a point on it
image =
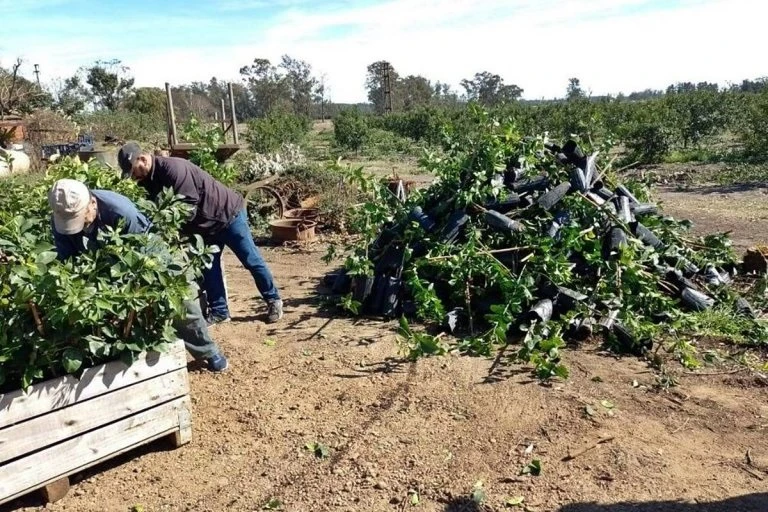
(520, 240)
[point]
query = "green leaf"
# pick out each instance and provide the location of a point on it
(44, 258)
(270, 342)
(607, 404)
(320, 450)
(534, 468)
(273, 504)
(517, 501)
(478, 494)
(72, 359)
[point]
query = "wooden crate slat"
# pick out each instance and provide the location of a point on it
(42, 431)
(24, 475)
(55, 394)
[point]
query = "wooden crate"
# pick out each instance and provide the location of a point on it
(62, 426)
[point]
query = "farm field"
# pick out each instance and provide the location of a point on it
(424, 435)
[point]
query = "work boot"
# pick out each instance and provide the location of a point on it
(215, 319)
(217, 364)
(274, 310)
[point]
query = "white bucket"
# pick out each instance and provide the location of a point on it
(19, 162)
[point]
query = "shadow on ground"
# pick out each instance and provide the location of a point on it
(747, 503)
(35, 498)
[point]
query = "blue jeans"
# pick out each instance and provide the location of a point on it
(236, 236)
(193, 329)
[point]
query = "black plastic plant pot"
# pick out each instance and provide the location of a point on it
(604, 193)
(677, 278)
(645, 209)
(529, 185)
(744, 308)
(647, 236)
(607, 321)
(329, 279)
(362, 287)
(583, 329)
(590, 171)
(501, 222)
(622, 209)
(554, 196)
(597, 199)
(391, 260)
(419, 249)
(426, 223)
(696, 300)
(390, 296)
(578, 180)
(628, 342)
(505, 205)
(553, 229)
(567, 299)
(616, 239)
(453, 226)
(509, 259)
(541, 311)
(575, 154)
(624, 191)
(409, 308)
(716, 278)
(342, 284)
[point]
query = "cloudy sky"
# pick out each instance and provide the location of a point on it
(611, 45)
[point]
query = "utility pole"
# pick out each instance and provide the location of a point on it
(386, 75)
(37, 74)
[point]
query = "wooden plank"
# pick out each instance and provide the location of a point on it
(29, 473)
(171, 115)
(43, 431)
(233, 116)
(55, 394)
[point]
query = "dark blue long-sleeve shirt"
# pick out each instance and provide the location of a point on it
(112, 207)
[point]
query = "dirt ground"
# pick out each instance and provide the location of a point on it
(420, 435)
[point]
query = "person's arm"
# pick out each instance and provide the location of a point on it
(64, 245)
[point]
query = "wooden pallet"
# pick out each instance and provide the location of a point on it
(65, 425)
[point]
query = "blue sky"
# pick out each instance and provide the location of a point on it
(611, 45)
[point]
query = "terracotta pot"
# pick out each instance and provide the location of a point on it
(293, 229)
(302, 213)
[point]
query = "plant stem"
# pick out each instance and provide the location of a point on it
(37, 317)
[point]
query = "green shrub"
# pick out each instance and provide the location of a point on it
(268, 134)
(207, 140)
(350, 129)
(147, 128)
(647, 142)
(753, 128)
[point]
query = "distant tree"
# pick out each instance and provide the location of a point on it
(267, 88)
(108, 84)
(299, 82)
(19, 95)
(320, 95)
(414, 91)
(757, 85)
(70, 95)
(489, 89)
(574, 90)
(146, 100)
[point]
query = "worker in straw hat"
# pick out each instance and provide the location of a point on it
(79, 214)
